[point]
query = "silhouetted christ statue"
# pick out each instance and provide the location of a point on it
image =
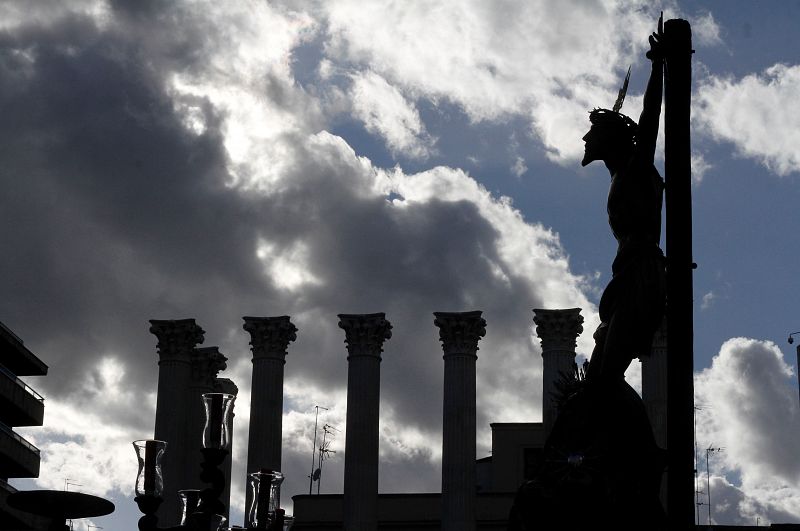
(601, 465)
(632, 305)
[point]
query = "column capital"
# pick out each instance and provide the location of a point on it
(270, 336)
(558, 329)
(225, 385)
(460, 332)
(206, 363)
(176, 337)
(365, 333)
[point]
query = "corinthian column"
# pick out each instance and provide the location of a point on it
(176, 342)
(459, 333)
(269, 340)
(558, 331)
(364, 337)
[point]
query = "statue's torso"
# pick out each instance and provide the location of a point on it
(634, 207)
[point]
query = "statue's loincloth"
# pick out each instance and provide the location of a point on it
(638, 291)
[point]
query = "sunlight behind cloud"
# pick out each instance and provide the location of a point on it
(288, 268)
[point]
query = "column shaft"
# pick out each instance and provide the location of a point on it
(266, 415)
(170, 426)
(361, 444)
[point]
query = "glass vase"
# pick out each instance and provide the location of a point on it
(265, 487)
(190, 499)
(216, 433)
(149, 479)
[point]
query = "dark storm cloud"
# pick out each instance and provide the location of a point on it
(118, 211)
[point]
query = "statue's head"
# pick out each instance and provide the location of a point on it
(611, 136)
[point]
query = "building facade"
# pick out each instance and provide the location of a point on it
(20, 405)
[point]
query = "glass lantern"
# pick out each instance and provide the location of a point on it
(217, 431)
(264, 486)
(190, 499)
(149, 479)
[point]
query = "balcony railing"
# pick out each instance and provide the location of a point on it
(11, 376)
(19, 438)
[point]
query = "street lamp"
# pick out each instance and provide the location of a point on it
(202, 510)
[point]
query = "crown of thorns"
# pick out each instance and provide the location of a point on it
(614, 118)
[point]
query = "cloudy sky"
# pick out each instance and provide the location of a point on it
(219, 159)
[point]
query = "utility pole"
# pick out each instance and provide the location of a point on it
(678, 196)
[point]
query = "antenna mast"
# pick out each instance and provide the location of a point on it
(314, 449)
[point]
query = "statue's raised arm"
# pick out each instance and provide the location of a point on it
(651, 109)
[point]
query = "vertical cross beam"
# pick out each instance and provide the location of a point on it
(680, 397)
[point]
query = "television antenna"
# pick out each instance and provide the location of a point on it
(324, 452)
(314, 450)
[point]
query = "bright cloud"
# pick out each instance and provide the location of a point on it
(707, 300)
(749, 408)
(758, 114)
(500, 59)
(386, 112)
(87, 437)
